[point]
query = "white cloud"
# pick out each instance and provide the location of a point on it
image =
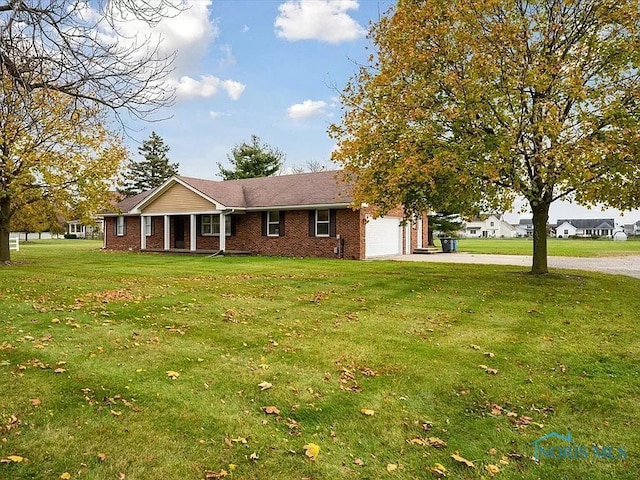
(245, 29)
(189, 34)
(324, 20)
(215, 114)
(228, 58)
(207, 86)
(308, 108)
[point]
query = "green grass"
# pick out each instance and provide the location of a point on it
(556, 247)
(333, 337)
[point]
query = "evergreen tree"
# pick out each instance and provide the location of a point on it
(151, 172)
(252, 160)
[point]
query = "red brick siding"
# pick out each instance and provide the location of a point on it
(129, 241)
(156, 239)
(296, 240)
(248, 235)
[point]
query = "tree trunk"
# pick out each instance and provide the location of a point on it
(540, 219)
(5, 253)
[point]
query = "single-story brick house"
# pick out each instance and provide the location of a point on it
(309, 214)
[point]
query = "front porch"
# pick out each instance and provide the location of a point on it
(185, 233)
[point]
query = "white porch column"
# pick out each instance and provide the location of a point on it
(223, 232)
(419, 226)
(192, 233)
(143, 234)
(167, 232)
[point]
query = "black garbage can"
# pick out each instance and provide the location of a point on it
(447, 244)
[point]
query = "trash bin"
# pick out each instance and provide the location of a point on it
(447, 244)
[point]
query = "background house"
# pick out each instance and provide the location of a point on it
(524, 228)
(308, 214)
(489, 226)
(588, 227)
(78, 229)
(632, 229)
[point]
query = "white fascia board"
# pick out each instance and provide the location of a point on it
(301, 207)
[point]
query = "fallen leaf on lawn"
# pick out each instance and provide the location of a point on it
(265, 386)
(102, 457)
(271, 410)
(359, 462)
(65, 476)
(368, 412)
(490, 354)
(392, 467)
(173, 375)
(492, 469)
(490, 371)
(14, 459)
(59, 370)
(460, 459)
(431, 441)
(121, 476)
(438, 469)
(254, 457)
(232, 466)
(35, 402)
(210, 474)
(242, 440)
(475, 347)
(504, 460)
(311, 450)
(436, 442)
(116, 413)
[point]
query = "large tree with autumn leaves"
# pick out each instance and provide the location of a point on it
(55, 151)
(471, 104)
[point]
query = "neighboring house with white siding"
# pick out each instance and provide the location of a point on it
(632, 229)
(489, 226)
(585, 227)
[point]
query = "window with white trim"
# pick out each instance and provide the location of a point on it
(273, 223)
(322, 223)
(148, 226)
(120, 226)
(210, 225)
(76, 228)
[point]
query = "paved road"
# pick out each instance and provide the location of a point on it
(628, 265)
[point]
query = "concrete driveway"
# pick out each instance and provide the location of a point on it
(627, 265)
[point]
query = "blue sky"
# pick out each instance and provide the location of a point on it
(271, 68)
(267, 68)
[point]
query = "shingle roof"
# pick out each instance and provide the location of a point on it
(305, 189)
(599, 223)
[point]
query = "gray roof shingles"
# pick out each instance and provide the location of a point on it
(599, 223)
(305, 189)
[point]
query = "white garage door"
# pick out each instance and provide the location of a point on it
(383, 237)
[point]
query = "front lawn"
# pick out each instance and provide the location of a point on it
(142, 366)
(561, 247)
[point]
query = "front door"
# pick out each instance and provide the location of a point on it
(178, 239)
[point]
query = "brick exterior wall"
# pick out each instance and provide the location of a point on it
(296, 241)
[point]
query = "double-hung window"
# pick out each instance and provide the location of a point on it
(120, 226)
(273, 223)
(322, 223)
(210, 225)
(148, 226)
